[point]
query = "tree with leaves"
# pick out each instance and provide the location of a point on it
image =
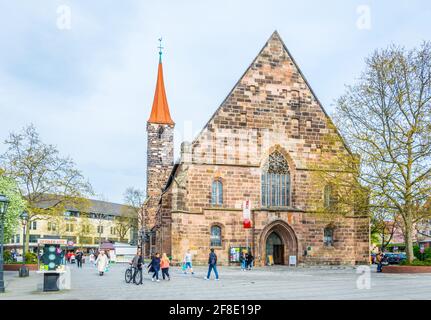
(16, 205)
(48, 182)
(386, 118)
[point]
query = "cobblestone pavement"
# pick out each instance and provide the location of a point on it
(261, 283)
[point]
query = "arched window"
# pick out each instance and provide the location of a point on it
(275, 181)
(217, 192)
(328, 236)
(215, 236)
(328, 197)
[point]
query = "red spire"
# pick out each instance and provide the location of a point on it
(160, 110)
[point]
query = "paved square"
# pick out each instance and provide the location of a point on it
(260, 283)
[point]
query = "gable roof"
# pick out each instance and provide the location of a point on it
(275, 36)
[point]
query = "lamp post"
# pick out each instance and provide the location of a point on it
(4, 202)
(23, 270)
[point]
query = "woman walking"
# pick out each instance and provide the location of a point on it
(164, 265)
(102, 262)
(155, 266)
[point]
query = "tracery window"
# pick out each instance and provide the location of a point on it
(275, 181)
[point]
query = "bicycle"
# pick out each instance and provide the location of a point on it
(134, 274)
(128, 276)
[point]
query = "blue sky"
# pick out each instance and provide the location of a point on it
(89, 89)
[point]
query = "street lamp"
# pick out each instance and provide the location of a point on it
(23, 270)
(4, 202)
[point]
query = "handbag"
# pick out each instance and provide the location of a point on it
(184, 267)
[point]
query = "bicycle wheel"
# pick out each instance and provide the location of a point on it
(128, 275)
(138, 277)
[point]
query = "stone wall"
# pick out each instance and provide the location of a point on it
(160, 158)
(272, 108)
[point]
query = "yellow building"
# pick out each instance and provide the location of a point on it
(104, 221)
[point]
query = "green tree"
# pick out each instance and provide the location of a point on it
(386, 118)
(47, 181)
(16, 205)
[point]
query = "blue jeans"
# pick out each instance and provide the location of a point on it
(243, 264)
(212, 267)
(156, 274)
(379, 267)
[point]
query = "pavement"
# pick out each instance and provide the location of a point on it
(276, 282)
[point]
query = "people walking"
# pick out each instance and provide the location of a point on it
(79, 256)
(212, 265)
(379, 259)
(243, 261)
(102, 262)
(188, 262)
(155, 267)
(249, 261)
(164, 265)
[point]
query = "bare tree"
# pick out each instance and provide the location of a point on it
(48, 182)
(135, 200)
(386, 119)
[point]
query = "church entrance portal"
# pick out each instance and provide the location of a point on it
(275, 248)
(278, 242)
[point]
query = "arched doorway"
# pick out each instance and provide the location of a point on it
(279, 241)
(275, 248)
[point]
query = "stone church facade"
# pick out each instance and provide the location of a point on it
(259, 145)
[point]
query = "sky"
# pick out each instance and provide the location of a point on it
(84, 72)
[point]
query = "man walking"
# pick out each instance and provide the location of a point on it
(212, 265)
(137, 264)
(79, 256)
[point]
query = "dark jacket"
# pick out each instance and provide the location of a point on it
(250, 258)
(212, 258)
(155, 263)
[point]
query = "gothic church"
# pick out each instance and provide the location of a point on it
(259, 146)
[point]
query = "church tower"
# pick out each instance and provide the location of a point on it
(160, 146)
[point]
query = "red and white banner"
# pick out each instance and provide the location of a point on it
(246, 213)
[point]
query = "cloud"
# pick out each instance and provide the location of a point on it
(89, 89)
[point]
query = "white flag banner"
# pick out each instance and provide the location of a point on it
(246, 210)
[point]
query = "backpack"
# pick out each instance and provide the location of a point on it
(213, 258)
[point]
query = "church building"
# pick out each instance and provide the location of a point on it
(259, 146)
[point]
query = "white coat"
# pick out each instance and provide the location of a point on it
(102, 262)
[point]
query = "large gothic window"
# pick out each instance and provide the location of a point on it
(276, 181)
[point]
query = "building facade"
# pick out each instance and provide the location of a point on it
(259, 145)
(85, 230)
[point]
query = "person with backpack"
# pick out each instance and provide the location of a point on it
(155, 267)
(212, 265)
(164, 265)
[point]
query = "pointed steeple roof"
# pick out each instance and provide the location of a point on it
(160, 110)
